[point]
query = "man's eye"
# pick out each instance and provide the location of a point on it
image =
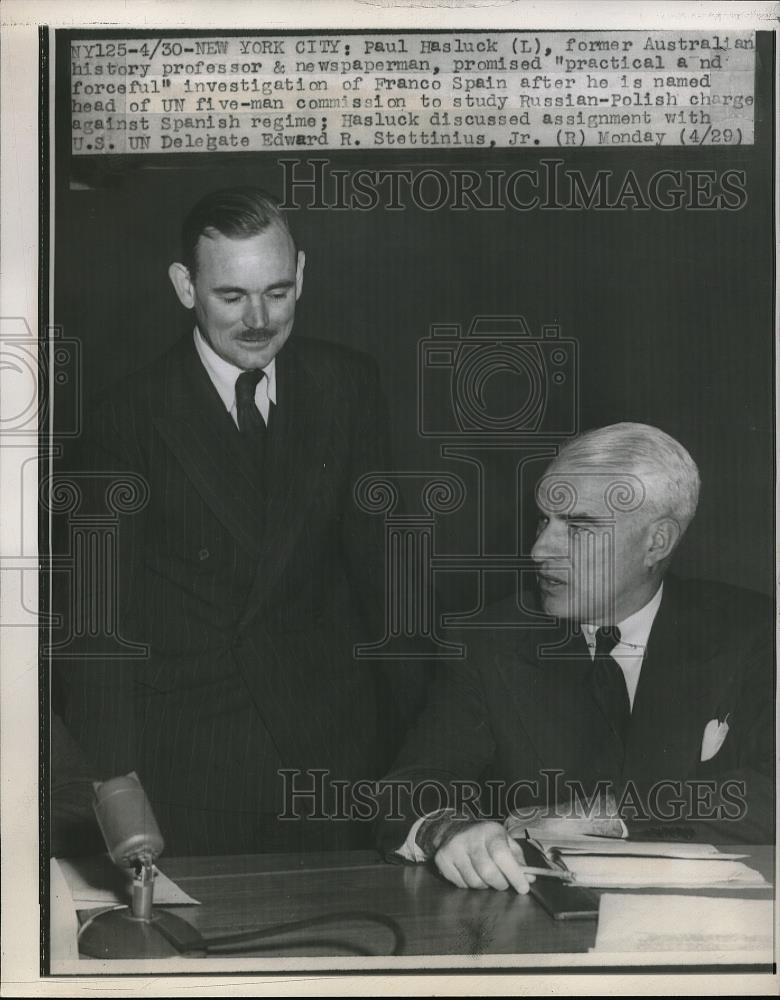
(230, 299)
(541, 523)
(577, 526)
(278, 295)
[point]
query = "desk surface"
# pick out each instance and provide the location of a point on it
(244, 893)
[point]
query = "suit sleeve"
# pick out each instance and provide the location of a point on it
(362, 531)
(94, 677)
(402, 684)
(443, 759)
(74, 829)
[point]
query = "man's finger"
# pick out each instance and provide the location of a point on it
(517, 851)
(468, 874)
(510, 864)
(487, 870)
(449, 871)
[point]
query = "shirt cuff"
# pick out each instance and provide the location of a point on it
(410, 850)
(432, 832)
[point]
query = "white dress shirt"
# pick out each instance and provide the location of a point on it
(634, 633)
(224, 376)
(628, 654)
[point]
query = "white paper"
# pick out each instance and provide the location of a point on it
(629, 848)
(234, 93)
(639, 923)
(631, 872)
(95, 882)
(63, 924)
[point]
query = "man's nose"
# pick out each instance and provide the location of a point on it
(255, 314)
(550, 543)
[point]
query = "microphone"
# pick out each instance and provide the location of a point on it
(126, 821)
(134, 841)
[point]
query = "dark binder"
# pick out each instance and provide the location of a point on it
(562, 900)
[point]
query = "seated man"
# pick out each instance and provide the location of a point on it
(647, 689)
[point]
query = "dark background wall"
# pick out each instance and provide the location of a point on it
(672, 311)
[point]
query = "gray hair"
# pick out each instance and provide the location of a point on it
(667, 472)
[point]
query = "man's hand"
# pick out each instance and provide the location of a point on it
(483, 856)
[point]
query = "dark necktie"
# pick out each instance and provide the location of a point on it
(250, 419)
(609, 683)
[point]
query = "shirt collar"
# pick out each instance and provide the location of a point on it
(635, 630)
(223, 374)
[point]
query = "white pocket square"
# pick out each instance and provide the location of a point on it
(715, 732)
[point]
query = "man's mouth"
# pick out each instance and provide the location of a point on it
(255, 338)
(549, 581)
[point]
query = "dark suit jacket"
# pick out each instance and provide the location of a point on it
(510, 712)
(74, 829)
(250, 609)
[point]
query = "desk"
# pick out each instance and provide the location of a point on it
(248, 892)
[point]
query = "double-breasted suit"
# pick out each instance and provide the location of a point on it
(250, 587)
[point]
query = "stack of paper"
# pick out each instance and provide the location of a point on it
(613, 871)
(634, 848)
(604, 862)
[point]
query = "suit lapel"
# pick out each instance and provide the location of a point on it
(550, 695)
(300, 428)
(204, 438)
(683, 684)
(678, 692)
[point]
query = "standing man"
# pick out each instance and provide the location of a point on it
(251, 573)
(657, 690)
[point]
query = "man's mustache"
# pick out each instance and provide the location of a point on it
(263, 334)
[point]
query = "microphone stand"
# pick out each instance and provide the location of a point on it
(134, 841)
(143, 891)
(139, 930)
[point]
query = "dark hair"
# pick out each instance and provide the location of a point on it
(235, 212)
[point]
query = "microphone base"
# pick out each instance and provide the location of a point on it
(118, 934)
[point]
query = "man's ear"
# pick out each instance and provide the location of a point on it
(182, 283)
(300, 264)
(663, 536)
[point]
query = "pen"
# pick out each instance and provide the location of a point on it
(549, 873)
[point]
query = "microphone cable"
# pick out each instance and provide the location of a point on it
(249, 940)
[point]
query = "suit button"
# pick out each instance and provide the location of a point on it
(203, 554)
